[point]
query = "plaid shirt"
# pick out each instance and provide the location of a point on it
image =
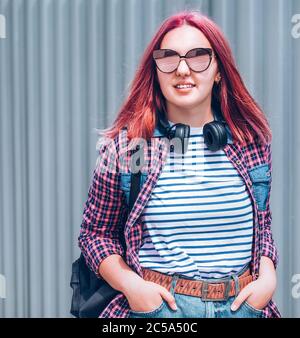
(106, 209)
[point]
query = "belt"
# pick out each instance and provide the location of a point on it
(215, 291)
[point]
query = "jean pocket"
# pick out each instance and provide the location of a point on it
(261, 183)
(256, 312)
(151, 313)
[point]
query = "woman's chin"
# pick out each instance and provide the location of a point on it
(187, 102)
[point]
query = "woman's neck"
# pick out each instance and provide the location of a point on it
(195, 117)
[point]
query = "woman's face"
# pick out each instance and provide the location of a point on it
(183, 39)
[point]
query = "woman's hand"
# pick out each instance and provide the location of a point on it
(147, 296)
(259, 292)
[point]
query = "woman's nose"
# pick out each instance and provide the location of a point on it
(183, 68)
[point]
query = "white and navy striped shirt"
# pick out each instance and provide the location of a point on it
(198, 221)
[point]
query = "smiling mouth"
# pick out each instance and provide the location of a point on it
(184, 86)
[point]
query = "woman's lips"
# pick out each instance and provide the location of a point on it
(184, 90)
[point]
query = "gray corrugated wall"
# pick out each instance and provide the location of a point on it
(65, 66)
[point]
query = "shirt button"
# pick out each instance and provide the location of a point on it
(238, 162)
(268, 173)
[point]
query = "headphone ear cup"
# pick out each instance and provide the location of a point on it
(215, 136)
(182, 131)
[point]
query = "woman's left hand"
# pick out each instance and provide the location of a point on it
(257, 293)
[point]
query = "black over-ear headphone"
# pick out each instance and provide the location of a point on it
(215, 135)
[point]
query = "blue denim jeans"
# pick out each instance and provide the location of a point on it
(195, 307)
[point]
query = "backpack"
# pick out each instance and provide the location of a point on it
(90, 294)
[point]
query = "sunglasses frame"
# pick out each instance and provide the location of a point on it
(208, 50)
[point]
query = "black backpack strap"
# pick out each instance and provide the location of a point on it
(134, 191)
(135, 184)
(134, 188)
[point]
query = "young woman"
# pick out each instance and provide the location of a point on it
(198, 238)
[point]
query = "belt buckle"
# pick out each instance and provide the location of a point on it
(204, 291)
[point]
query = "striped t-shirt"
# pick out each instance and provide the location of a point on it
(198, 221)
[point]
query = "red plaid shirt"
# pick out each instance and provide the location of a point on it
(106, 209)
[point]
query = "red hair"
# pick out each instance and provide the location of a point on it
(243, 115)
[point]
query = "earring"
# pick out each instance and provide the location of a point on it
(218, 79)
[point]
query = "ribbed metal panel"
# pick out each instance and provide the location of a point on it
(65, 68)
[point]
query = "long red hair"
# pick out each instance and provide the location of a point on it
(243, 115)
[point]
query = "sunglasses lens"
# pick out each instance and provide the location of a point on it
(198, 59)
(166, 60)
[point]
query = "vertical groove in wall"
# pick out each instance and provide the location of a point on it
(19, 164)
(65, 68)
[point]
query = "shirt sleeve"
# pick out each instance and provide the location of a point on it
(268, 246)
(104, 212)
